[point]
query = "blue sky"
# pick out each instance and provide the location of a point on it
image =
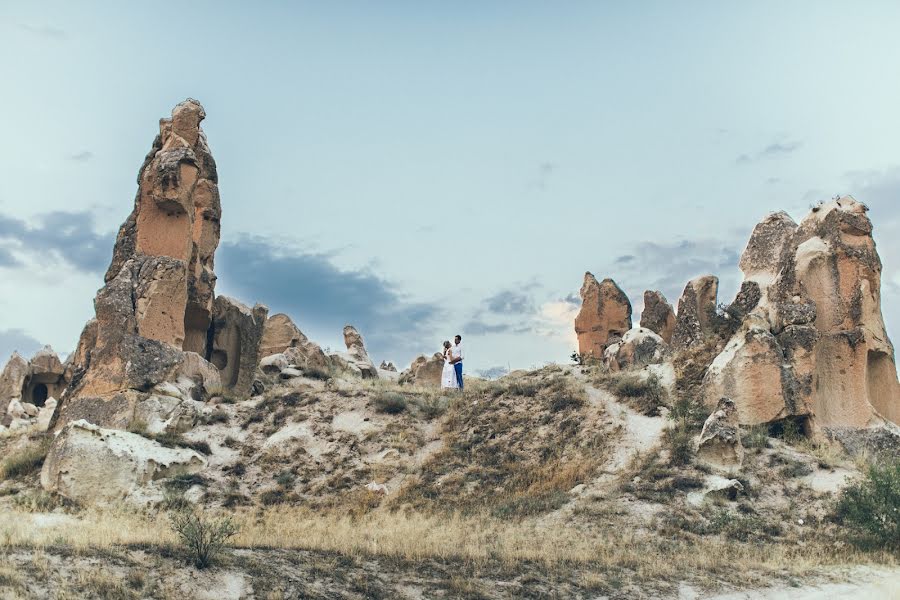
(421, 169)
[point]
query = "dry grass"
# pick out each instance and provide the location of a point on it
(477, 540)
(25, 461)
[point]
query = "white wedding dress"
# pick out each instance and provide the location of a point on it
(448, 375)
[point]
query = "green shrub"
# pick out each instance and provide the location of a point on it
(202, 536)
(316, 373)
(390, 403)
(216, 416)
(870, 508)
(756, 437)
(25, 461)
(681, 445)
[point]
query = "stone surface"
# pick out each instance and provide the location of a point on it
(720, 439)
(238, 331)
(604, 317)
(279, 334)
(658, 315)
(12, 381)
(387, 366)
(356, 353)
(639, 347)
(696, 310)
(812, 340)
(424, 371)
(92, 465)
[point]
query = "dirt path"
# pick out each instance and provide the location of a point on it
(861, 583)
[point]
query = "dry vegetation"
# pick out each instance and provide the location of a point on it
(485, 482)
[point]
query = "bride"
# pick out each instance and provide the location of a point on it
(448, 375)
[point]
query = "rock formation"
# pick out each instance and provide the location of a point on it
(696, 309)
(604, 317)
(28, 390)
(814, 343)
(95, 465)
(720, 439)
(387, 366)
(154, 315)
(637, 348)
(356, 357)
(238, 331)
(658, 315)
(424, 371)
(279, 334)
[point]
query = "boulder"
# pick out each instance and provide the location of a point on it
(639, 347)
(694, 323)
(12, 380)
(425, 371)
(604, 317)
(308, 356)
(238, 331)
(279, 334)
(720, 440)
(658, 315)
(92, 465)
(387, 366)
(274, 363)
(356, 353)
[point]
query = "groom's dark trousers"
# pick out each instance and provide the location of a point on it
(458, 368)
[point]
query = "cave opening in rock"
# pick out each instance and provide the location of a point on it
(790, 429)
(196, 326)
(881, 383)
(39, 395)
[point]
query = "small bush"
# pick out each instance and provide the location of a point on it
(316, 373)
(756, 437)
(285, 478)
(390, 403)
(870, 508)
(681, 445)
(202, 536)
(176, 440)
(183, 481)
(217, 416)
(25, 461)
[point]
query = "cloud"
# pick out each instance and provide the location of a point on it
(493, 372)
(773, 150)
(46, 31)
(480, 327)
(510, 302)
(322, 298)
(83, 156)
(63, 236)
(16, 340)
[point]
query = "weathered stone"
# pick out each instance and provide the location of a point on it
(720, 440)
(637, 348)
(92, 465)
(694, 323)
(12, 380)
(604, 317)
(356, 353)
(279, 334)
(274, 363)
(387, 366)
(424, 371)
(658, 315)
(237, 334)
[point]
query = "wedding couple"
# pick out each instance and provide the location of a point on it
(452, 375)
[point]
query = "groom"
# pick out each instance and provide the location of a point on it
(456, 359)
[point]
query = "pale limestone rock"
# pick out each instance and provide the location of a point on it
(720, 440)
(279, 334)
(658, 315)
(236, 341)
(424, 371)
(92, 465)
(639, 347)
(356, 353)
(604, 317)
(696, 309)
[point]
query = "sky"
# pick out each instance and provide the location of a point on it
(421, 169)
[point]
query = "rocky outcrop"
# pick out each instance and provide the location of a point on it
(89, 464)
(813, 343)
(387, 366)
(658, 315)
(424, 371)
(279, 334)
(28, 390)
(637, 348)
(604, 317)
(238, 331)
(694, 323)
(154, 315)
(356, 358)
(720, 439)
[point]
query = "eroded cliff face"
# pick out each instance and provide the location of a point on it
(814, 344)
(154, 315)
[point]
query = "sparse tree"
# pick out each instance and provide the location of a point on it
(203, 536)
